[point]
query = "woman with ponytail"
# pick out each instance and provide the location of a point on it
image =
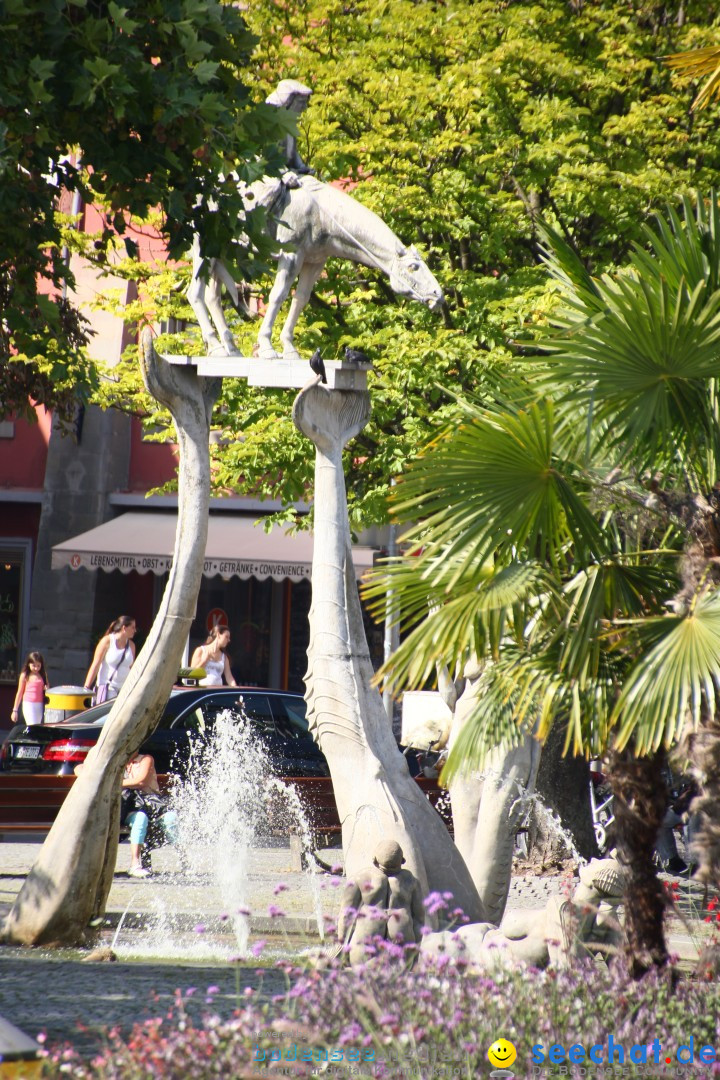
(114, 656)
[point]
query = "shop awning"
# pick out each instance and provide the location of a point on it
(236, 547)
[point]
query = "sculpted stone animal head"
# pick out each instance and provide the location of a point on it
(410, 277)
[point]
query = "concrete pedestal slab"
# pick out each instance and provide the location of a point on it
(279, 373)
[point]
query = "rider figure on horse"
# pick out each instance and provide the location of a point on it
(294, 96)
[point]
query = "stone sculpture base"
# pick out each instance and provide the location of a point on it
(376, 797)
(281, 373)
(557, 934)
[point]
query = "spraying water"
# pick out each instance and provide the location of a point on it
(551, 825)
(228, 806)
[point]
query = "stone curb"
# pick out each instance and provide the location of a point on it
(300, 926)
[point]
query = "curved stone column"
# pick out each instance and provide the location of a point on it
(375, 794)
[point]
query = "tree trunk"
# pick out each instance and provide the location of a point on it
(69, 883)
(563, 786)
(376, 797)
(704, 746)
(639, 804)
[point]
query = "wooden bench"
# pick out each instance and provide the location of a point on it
(29, 802)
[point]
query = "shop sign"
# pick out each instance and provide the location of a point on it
(216, 617)
(160, 564)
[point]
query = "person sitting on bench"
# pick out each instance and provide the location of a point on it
(144, 806)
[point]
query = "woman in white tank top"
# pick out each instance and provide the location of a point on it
(114, 656)
(211, 656)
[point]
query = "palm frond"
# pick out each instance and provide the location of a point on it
(695, 64)
(644, 366)
(493, 487)
(678, 671)
(525, 691)
(423, 585)
(567, 268)
(596, 596)
(683, 250)
(472, 622)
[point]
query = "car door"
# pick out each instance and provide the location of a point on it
(301, 755)
(198, 721)
(168, 743)
(256, 707)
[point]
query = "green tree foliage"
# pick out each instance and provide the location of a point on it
(149, 97)
(463, 124)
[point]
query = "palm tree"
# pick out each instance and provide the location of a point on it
(569, 534)
(695, 64)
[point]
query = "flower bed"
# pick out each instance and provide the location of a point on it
(384, 1021)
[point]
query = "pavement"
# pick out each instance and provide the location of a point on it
(180, 931)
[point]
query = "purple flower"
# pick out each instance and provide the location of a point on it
(351, 1034)
(275, 912)
(213, 990)
(393, 949)
(258, 947)
(190, 991)
(243, 911)
(200, 928)
(434, 902)
(280, 887)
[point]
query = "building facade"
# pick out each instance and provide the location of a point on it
(81, 543)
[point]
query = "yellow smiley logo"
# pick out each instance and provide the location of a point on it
(502, 1053)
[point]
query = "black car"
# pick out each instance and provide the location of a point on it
(55, 749)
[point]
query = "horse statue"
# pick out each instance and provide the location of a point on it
(313, 222)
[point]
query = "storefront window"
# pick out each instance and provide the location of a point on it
(246, 607)
(13, 603)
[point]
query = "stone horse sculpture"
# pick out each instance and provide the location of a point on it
(313, 222)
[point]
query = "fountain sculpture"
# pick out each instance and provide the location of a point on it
(376, 797)
(384, 902)
(375, 794)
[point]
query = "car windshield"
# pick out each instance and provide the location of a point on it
(95, 715)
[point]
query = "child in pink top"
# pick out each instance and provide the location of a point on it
(31, 690)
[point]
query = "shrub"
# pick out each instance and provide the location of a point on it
(428, 1022)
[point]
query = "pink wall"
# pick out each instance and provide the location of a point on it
(151, 464)
(23, 457)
